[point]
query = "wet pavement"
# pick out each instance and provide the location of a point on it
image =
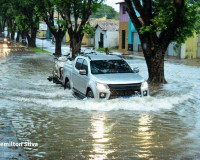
(162, 126)
(9, 144)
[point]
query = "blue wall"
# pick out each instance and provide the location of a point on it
(131, 28)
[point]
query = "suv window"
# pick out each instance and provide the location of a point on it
(79, 63)
(85, 66)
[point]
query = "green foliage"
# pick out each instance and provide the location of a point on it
(107, 11)
(39, 50)
(165, 11)
(101, 49)
(25, 15)
(88, 29)
(189, 25)
(46, 9)
(197, 2)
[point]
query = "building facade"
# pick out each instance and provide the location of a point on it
(107, 34)
(123, 28)
(128, 36)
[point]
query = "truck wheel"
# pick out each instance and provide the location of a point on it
(90, 94)
(67, 84)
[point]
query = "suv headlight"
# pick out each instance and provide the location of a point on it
(101, 86)
(144, 85)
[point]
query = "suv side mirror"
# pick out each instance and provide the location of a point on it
(82, 72)
(136, 70)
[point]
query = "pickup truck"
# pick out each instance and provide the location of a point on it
(102, 76)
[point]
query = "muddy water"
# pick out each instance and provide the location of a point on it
(162, 126)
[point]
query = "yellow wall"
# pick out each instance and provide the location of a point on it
(67, 37)
(41, 33)
(191, 47)
(123, 26)
(84, 41)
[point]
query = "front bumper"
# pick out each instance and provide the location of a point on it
(122, 90)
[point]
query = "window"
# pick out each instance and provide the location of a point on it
(79, 63)
(85, 66)
(124, 9)
(110, 66)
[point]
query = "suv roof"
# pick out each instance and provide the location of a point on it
(103, 57)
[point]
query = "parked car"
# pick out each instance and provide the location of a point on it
(103, 77)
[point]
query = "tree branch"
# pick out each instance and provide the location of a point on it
(132, 14)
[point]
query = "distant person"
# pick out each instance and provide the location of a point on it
(107, 50)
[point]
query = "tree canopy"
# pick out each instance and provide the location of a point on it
(105, 11)
(163, 21)
(76, 13)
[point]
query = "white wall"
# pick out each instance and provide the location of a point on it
(171, 51)
(97, 37)
(112, 39)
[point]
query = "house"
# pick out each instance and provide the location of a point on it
(109, 28)
(87, 40)
(189, 50)
(106, 34)
(128, 36)
(123, 27)
(134, 43)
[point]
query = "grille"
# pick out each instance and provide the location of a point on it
(120, 90)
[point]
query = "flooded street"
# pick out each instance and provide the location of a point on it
(162, 126)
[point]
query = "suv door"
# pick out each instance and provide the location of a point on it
(83, 79)
(75, 74)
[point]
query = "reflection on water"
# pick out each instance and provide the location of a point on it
(101, 139)
(145, 134)
(162, 126)
(4, 50)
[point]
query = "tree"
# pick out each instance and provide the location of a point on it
(195, 2)
(46, 9)
(162, 22)
(107, 11)
(76, 13)
(27, 20)
(3, 12)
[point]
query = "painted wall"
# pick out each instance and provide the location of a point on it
(123, 26)
(123, 17)
(86, 40)
(112, 39)
(172, 49)
(97, 37)
(191, 47)
(198, 54)
(131, 39)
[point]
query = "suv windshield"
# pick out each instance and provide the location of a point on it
(110, 66)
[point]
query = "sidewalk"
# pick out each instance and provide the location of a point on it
(49, 46)
(173, 59)
(8, 136)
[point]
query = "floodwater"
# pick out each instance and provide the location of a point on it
(164, 125)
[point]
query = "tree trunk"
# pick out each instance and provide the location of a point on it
(58, 38)
(75, 43)
(17, 38)
(32, 38)
(8, 34)
(12, 35)
(155, 65)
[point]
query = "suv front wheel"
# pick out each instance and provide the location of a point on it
(90, 94)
